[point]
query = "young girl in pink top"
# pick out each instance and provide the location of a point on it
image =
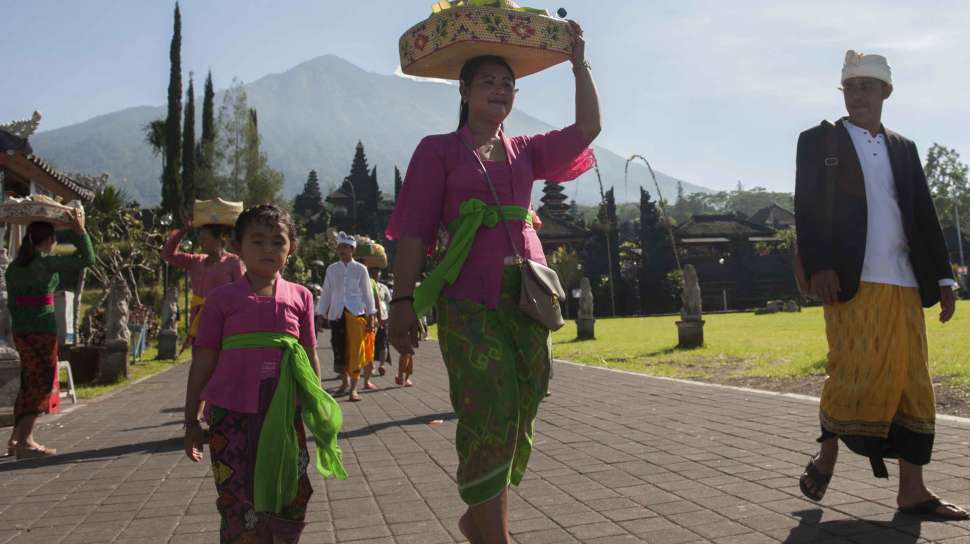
(212, 268)
(254, 362)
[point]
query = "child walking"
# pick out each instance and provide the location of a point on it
(254, 362)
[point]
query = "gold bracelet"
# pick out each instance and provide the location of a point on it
(585, 64)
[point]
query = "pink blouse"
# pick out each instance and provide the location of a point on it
(204, 277)
(443, 173)
(234, 309)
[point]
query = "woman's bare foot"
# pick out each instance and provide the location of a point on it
(371, 386)
(354, 397)
(467, 528)
(408, 383)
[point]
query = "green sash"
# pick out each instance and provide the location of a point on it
(473, 214)
(277, 456)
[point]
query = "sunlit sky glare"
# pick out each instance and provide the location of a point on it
(711, 92)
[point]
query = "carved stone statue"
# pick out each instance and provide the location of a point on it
(691, 296)
(690, 328)
(170, 309)
(585, 322)
(116, 317)
(5, 325)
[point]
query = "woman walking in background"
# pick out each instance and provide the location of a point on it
(212, 268)
(32, 278)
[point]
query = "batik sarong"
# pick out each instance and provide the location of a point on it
(878, 395)
(39, 385)
(233, 443)
(338, 344)
(498, 370)
(381, 345)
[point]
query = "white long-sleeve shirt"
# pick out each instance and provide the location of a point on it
(346, 286)
(887, 249)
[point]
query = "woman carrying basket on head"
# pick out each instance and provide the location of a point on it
(32, 278)
(498, 359)
(214, 266)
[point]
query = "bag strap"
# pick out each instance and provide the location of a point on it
(488, 180)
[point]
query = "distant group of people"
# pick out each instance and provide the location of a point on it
(354, 304)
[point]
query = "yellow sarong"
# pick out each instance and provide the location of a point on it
(878, 383)
(356, 333)
(196, 302)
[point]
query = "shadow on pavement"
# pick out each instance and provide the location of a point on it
(156, 446)
(417, 420)
(902, 529)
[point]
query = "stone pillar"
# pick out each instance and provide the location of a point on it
(9, 359)
(585, 322)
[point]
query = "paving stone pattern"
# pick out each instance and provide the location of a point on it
(619, 458)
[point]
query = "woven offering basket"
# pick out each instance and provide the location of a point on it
(529, 40)
(216, 212)
(23, 211)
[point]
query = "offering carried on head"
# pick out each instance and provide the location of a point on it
(23, 211)
(216, 212)
(528, 39)
(370, 253)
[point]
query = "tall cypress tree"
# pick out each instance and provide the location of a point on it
(656, 259)
(208, 112)
(397, 182)
(188, 150)
(171, 182)
(206, 186)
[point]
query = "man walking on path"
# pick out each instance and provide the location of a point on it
(872, 250)
(347, 304)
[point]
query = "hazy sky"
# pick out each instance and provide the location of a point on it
(710, 91)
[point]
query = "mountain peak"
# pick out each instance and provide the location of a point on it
(311, 116)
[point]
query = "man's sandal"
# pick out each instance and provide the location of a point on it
(931, 509)
(819, 482)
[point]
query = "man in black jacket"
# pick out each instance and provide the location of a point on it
(872, 250)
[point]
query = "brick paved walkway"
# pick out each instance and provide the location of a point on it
(619, 458)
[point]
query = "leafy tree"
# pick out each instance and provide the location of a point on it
(171, 180)
(244, 171)
(949, 184)
(188, 150)
(233, 123)
(263, 184)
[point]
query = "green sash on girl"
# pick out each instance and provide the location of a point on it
(277, 456)
(473, 214)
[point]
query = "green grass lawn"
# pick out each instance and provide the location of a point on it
(745, 345)
(145, 367)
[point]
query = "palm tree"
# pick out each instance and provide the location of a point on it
(155, 137)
